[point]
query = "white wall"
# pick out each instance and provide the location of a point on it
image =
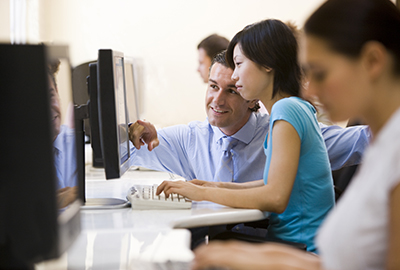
(164, 34)
(4, 21)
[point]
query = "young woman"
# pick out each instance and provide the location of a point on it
(297, 188)
(353, 62)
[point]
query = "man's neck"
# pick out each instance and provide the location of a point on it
(229, 131)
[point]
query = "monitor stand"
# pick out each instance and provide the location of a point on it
(82, 113)
(104, 203)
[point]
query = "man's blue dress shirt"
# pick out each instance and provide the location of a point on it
(65, 158)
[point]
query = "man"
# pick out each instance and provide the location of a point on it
(194, 151)
(207, 49)
(63, 145)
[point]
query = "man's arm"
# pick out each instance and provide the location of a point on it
(345, 146)
(165, 149)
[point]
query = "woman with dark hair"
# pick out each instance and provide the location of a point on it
(297, 187)
(353, 65)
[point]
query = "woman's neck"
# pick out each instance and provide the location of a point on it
(385, 104)
(269, 102)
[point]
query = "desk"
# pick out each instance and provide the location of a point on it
(116, 238)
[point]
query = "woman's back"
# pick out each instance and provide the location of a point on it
(361, 218)
(312, 195)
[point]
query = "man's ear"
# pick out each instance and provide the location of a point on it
(253, 103)
(374, 57)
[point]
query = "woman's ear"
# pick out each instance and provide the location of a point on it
(374, 57)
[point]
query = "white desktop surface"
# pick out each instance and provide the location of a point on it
(116, 238)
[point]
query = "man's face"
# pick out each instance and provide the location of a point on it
(55, 108)
(225, 107)
(204, 64)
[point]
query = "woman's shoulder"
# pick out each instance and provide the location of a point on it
(293, 103)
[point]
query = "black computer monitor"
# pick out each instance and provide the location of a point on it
(113, 114)
(80, 91)
(39, 218)
(107, 112)
(131, 102)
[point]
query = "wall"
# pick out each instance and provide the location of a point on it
(164, 34)
(4, 21)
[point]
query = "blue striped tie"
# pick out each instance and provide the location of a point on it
(225, 169)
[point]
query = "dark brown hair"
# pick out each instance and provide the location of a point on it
(213, 44)
(271, 44)
(346, 25)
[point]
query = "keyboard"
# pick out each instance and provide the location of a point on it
(143, 197)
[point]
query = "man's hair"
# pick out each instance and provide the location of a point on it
(220, 58)
(213, 44)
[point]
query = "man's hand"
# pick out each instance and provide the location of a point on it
(142, 132)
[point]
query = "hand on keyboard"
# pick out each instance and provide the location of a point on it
(143, 197)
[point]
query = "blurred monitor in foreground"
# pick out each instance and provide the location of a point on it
(39, 206)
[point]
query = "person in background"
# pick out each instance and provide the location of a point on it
(264, 56)
(353, 65)
(207, 49)
(63, 146)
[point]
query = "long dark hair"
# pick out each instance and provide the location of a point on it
(346, 25)
(271, 44)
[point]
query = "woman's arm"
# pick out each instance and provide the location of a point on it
(231, 185)
(272, 197)
(393, 260)
(253, 256)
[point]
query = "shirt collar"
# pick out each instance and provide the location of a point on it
(245, 134)
(58, 142)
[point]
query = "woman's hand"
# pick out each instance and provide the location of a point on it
(205, 183)
(186, 189)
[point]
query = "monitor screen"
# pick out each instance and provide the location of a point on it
(131, 89)
(113, 118)
(97, 155)
(39, 206)
(120, 103)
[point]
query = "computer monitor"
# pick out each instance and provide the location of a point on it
(131, 102)
(109, 124)
(80, 90)
(39, 209)
(113, 114)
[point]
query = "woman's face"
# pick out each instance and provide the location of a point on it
(339, 82)
(252, 80)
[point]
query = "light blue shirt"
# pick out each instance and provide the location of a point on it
(312, 194)
(65, 158)
(193, 151)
